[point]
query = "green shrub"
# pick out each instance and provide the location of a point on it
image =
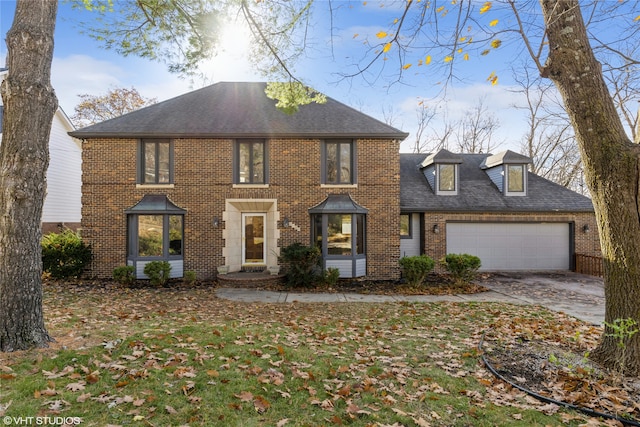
(302, 265)
(190, 277)
(158, 272)
(463, 267)
(64, 254)
(331, 276)
(416, 268)
(125, 275)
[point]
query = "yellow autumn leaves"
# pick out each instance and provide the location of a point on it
(459, 52)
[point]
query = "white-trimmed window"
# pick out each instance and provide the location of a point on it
(447, 179)
(516, 180)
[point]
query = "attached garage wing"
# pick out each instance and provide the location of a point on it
(513, 246)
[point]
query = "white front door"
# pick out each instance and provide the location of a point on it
(254, 241)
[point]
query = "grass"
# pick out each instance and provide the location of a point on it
(183, 357)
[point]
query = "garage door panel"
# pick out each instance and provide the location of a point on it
(512, 246)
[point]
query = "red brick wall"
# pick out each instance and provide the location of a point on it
(203, 181)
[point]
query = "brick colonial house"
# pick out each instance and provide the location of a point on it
(220, 177)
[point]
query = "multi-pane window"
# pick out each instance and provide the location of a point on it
(156, 236)
(515, 178)
(155, 162)
(339, 162)
(250, 167)
(340, 234)
(446, 177)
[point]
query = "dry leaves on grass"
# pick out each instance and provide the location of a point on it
(552, 360)
(356, 363)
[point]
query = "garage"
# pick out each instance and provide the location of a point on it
(513, 246)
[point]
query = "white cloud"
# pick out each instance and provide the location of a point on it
(80, 74)
(499, 100)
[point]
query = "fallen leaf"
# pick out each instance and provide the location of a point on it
(83, 397)
(261, 404)
(421, 422)
(244, 396)
(78, 386)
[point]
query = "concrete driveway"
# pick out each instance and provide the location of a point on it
(578, 295)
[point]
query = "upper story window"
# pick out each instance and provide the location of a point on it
(508, 171)
(155, 161)
(441, 169)
(250, 165)
(447, 178)
(515, 178)
(338, 162)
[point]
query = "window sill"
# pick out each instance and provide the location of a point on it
(338, 185)
(155, 186)
(250, 185)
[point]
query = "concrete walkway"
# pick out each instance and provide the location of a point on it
(578, 295)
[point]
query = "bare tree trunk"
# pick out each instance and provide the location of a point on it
(29, 105)
(612, 168)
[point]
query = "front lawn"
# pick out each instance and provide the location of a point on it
(159, 357)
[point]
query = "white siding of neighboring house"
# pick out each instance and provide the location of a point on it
(64, 176)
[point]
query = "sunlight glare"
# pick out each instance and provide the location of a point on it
(235, 37)
(231, 63)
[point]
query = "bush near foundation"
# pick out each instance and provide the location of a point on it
(302, 265)
(415, 269)
(158, 272)
(463, 267)
(64, 254)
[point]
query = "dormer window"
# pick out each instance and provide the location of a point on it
(442, 172)
(446, 177)
(508, 171)
(515, 178)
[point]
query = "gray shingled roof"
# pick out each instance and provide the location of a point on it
(441, 156)
(239, 110)
(477, 193)
(504, 157)
(338, 203)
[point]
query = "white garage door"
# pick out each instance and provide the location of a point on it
(512, 246)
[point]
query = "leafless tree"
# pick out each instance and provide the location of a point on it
(476, 130)
(549, 139)
(390, 115)
(424, 115)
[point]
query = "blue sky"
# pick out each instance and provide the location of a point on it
(81, 66)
